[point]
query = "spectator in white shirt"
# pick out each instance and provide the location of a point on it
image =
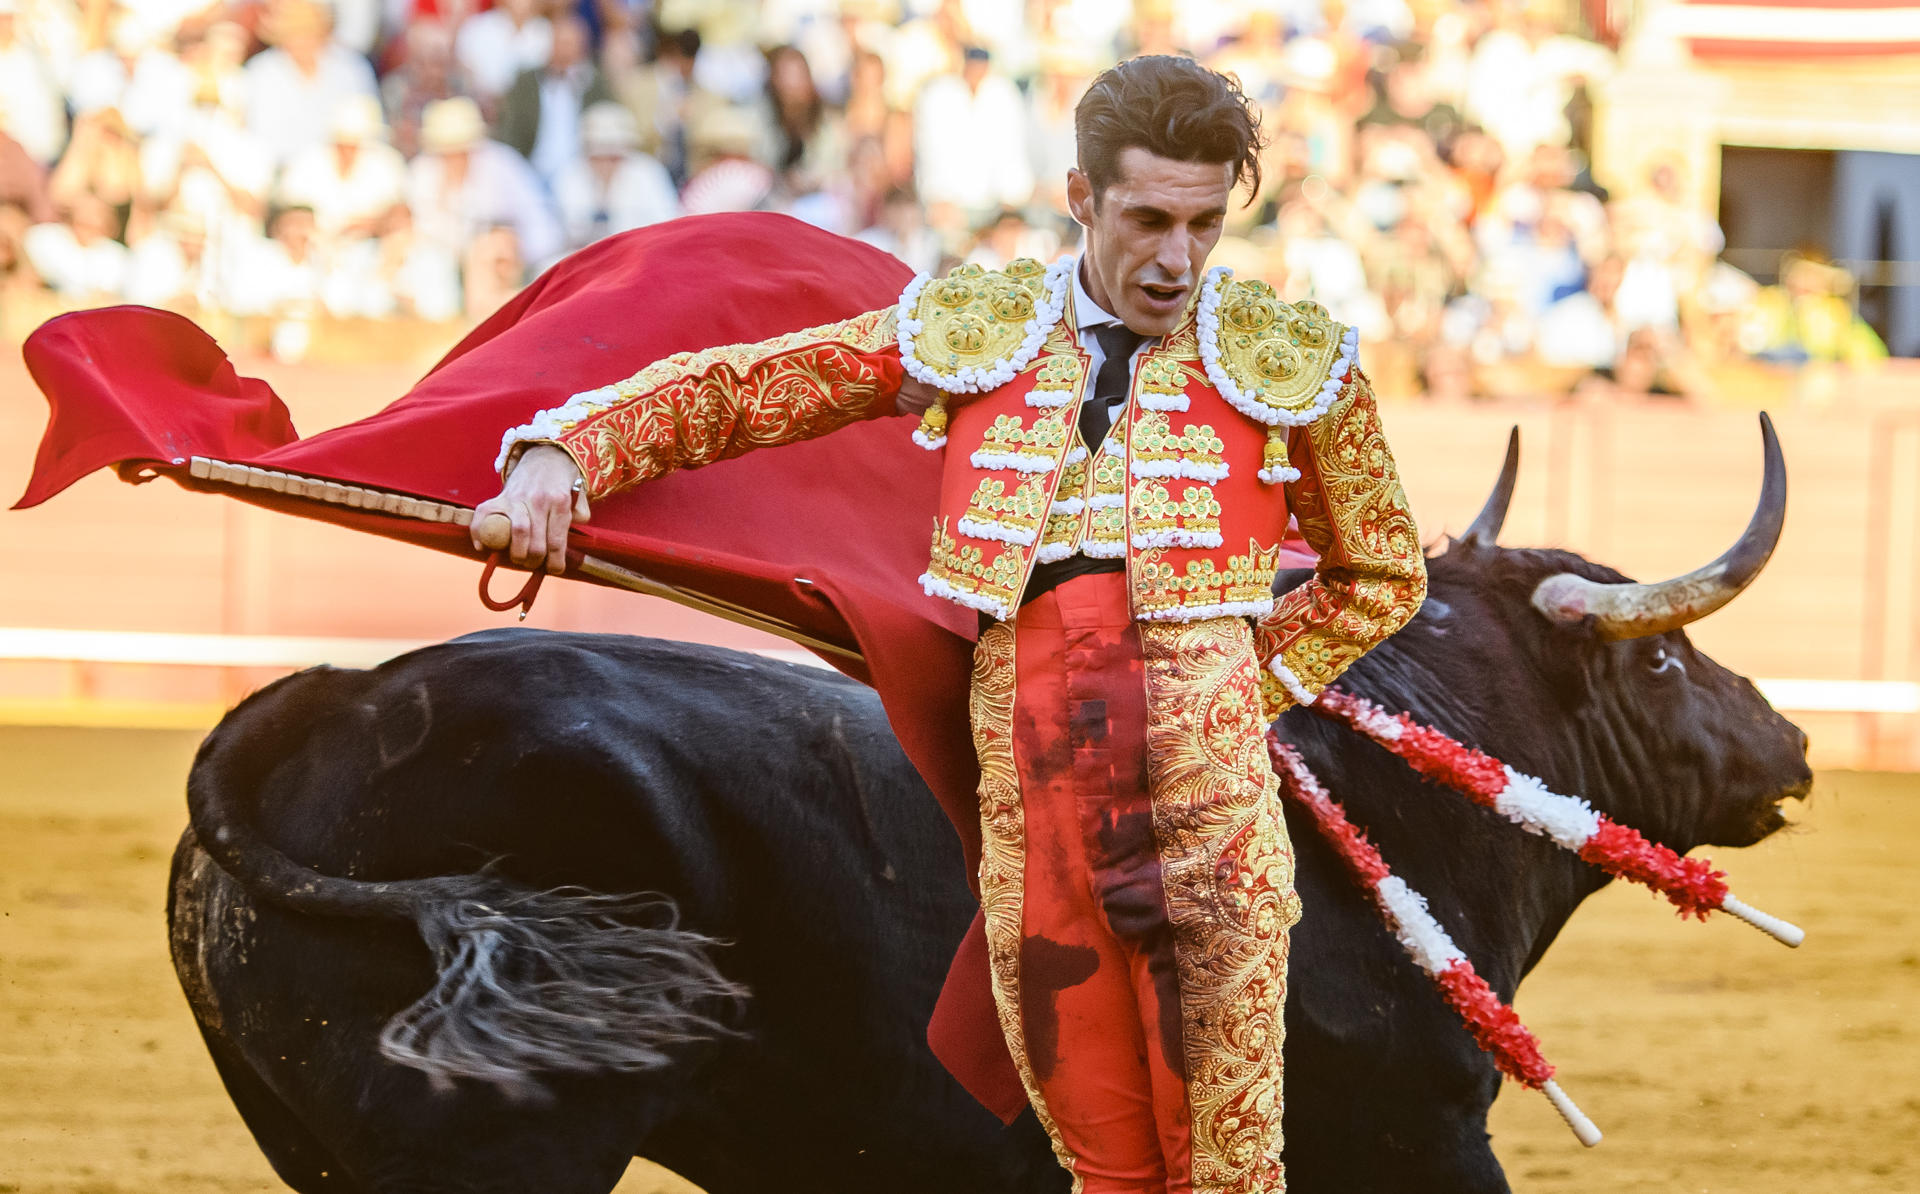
(283, 275)
(101, 75)
(293, 89)
(615, 187)
(217, 61)
(496, 45)
(144, 79)
(103, 160)
(80, 258)
(220, 172)
(540, 115)
(353, 180)
(970, 143)
(463, 185)
(31, 109)
(172, 268)
(396, 274)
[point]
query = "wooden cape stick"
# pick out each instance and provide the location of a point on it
(495, 532)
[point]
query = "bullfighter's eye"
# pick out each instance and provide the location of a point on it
(1664, 661)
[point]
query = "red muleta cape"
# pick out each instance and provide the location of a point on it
(828, 535)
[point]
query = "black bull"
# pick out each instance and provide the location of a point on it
(761, 1028)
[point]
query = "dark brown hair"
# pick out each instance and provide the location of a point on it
(1170, 106)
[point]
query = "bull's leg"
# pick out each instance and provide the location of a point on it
(205, 909)
(1418, 1144)
(578, 1139)
(295, 1153)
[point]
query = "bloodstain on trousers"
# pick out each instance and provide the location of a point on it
(1138, 890)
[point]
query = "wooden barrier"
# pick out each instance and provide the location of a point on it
(1650, 488)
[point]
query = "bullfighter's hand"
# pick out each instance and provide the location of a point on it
(915, 396)
(542, 498)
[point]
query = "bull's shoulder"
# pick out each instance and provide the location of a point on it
(1276, 362)
(975, 328)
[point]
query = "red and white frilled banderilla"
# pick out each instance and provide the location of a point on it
(1690, 883)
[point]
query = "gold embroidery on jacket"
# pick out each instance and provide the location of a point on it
(1068, 515)
(1195, 511)
(1161, 373)
(1106, 530)
(994, 513)
(1182, 345)
(1059, 374)
(1227, 873)
(1246, 579)
(694, 408)
(1372, 576)
(976, 317)
(1037, 446)
(991, 571)
(1154, 442)
(1278, 353)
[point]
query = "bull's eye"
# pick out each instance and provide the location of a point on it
(1664, 661)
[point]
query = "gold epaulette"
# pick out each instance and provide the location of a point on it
(976, 328)
(1277, 362)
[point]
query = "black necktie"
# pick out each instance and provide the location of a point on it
(1117, 341)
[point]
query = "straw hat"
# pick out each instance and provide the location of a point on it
(356, 120)
(608, 128)
(724, 129)
(451, 125)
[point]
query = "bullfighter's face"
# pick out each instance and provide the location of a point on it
(1149, 234)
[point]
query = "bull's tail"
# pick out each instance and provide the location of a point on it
(529, 982)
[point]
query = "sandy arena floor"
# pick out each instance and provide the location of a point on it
(1715, 1059)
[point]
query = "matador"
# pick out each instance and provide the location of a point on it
(1126, 436)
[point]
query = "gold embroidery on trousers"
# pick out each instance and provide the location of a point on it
(1003, 840)
(1227, 872)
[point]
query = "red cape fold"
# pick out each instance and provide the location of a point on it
(828, 535)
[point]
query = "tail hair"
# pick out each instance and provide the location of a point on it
(529, 983)
(556, 982)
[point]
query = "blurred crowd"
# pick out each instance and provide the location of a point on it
(1427, 178)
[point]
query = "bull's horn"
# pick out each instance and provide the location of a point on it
(1626, 610)
(1484, 531)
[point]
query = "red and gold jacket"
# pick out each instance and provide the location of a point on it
(1251, 410)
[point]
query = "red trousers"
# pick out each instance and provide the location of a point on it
(1138, 890)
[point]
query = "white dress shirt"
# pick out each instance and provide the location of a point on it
(289, 111)
(1087, 316)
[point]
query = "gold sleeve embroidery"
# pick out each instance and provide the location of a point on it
(695, 408)
(1372, 575)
